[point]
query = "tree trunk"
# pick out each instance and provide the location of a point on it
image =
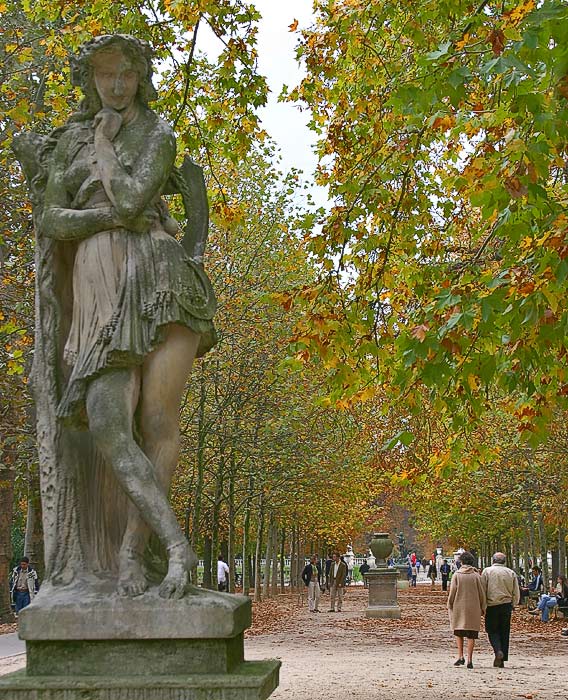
(33, 541)
(274, 584)
(246, 531)
(193, 514)
(532, 538)
(7, 476)
(562, 551)
(215, 519)
(293, 559)
(231, 534)
(207, 583)
(268, 558)
(543, 549)
(282, 559)
(526, 554)
(516, 554)
(258, 551)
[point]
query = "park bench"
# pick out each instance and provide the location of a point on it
(563, 609)
(532, 599)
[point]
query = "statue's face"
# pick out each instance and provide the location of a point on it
(116, 79)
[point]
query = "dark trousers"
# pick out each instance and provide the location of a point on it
(21, 599)
(444, 583)
(498, 627)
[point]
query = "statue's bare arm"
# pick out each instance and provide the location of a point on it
(59, 220)
(131, 193)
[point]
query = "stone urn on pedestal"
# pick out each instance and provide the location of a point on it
(382, 580)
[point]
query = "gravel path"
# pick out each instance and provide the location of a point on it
(410, 659)
(344, 655)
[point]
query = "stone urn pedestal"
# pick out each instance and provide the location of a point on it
(382, 581)
(402, 576)
(83, 645)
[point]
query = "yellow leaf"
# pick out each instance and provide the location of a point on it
(293, 26)
(473, 382)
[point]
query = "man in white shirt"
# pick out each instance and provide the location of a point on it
(222, 574)
(502, 591)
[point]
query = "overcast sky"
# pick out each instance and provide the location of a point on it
(285, 123)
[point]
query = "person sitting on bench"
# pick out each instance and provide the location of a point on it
(557, 596)
(535, 585)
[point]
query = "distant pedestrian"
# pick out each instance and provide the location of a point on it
(502, 592)
(328, 563)
(337, 576)
(466, 605)
(312, 577)
(363, 570)
(414, 575)
(445, 574)
(24, 584)
(413, 558)
(432, 572)
(222, 574)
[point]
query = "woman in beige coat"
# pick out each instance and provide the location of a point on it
(466, 605)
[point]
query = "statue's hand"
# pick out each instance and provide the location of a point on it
(140, 224)
(107, 123)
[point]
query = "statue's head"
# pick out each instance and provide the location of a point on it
(110, 60)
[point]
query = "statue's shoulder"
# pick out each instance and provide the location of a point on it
(159, 128)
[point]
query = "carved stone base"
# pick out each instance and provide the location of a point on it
(382, 594)
(86, 643)
(252, 680)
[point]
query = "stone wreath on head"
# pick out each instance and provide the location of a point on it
(82, 71)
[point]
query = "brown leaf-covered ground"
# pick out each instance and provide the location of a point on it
(409, 658)
(344, 655)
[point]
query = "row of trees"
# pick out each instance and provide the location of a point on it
(410, 349)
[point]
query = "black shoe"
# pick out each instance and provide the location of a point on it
(469, 664)
(498, 660)
(459, 662)
(331, 610)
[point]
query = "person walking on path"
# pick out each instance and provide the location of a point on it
(432, 573)
(502, 592)
(414, 575)
(445, 573)
(466, 605)
(363, 570)
(312, 577)
(337, 574)
(23, 584)
(328, 563)
(222, 574)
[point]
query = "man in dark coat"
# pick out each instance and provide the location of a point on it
(445, 573)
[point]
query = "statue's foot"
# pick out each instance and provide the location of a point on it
(176, 584)
(131, 579)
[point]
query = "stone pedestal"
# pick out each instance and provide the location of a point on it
(402, 576)
(91, 646)
(382, 594)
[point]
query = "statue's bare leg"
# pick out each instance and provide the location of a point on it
(164, 376)
(111, 399)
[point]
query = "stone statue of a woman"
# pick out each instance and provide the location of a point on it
(123, 309)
